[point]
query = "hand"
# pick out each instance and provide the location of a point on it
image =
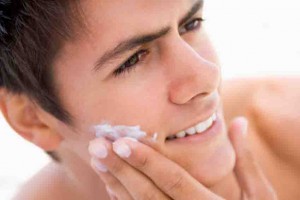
(130, 171)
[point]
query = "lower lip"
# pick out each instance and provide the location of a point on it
(215, 129)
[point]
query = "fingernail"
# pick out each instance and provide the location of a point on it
(98, 150)
(244, 125)
(110, 192)
(131, 139)
(98, 165)
(122, 149)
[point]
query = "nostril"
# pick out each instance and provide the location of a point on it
(200, 96)
(189, 99)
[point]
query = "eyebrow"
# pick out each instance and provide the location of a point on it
(139, 40)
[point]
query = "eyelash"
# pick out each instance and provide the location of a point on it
(138, 56)
(131, 62)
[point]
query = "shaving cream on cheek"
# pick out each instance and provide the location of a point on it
(115, 132)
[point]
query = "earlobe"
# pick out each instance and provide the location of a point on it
(46, 139)
(21, 114)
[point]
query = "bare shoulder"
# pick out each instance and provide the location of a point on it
(46, 184)
(272, 103)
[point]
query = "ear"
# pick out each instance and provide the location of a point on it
(25, 118)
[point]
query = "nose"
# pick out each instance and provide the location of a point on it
(193, 76)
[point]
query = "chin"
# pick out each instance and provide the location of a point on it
(213, 169)
(209, 162)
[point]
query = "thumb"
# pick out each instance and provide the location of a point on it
(249, 175)
(237, 134)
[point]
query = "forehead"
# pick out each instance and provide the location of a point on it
(114, 19)
(108, 9)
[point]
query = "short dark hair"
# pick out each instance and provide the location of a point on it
(32, 33)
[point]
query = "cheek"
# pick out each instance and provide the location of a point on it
(75, 141)
(132, 102)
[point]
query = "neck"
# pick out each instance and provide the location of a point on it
(84, 181)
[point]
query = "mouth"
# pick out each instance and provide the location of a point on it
(199, 128)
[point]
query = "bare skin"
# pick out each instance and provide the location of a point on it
(151, 63)
(279, 164)
(273, 112)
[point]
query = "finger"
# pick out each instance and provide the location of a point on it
(137, 184)
(167, 175)
(114, 188)
(247, 170)
(111, 194)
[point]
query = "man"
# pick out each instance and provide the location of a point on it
(67, 66)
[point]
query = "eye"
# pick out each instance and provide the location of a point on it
(131, 62)
(192, 25)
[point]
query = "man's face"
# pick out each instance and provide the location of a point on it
(147, 63)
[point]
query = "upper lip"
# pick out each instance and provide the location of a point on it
(208, 114)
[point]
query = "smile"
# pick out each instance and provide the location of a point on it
(198, 128)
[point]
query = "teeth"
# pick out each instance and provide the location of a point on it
(214, 117)
(181, 134)
(191, 131)
(199, 128)
(209, 122)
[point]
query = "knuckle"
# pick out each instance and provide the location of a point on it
(248, 154)
(111, 181)
(150, 196)
(247, 157)
(247, 161)
(142, 162)
(148, 192)
(117, 167)
(178, 183)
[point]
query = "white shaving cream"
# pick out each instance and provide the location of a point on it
(115, 132)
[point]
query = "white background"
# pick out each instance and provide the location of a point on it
(253, 38)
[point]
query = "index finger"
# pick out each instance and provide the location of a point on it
(166, 174)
